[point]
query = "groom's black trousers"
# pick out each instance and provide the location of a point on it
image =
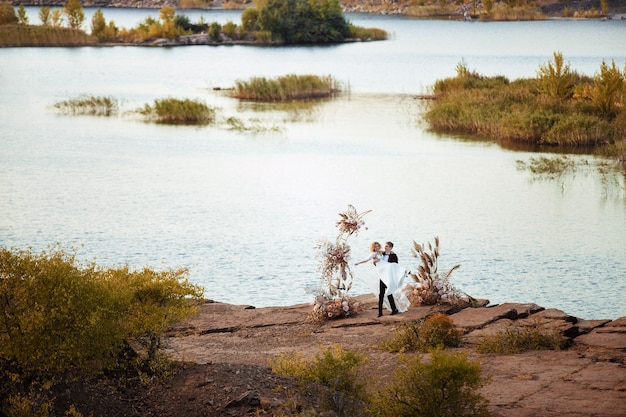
(381, 299)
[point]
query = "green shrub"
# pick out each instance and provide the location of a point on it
(263, 36)
(516, 340)
(7, 13)
(176, 111)
(100, 29)
(59, 314)
(230, 30)
(335, 369)
(298, 21)
(35, 403)
(63, 319)
(443, 387)
(436, 332)
(555, 79)
(215, 29)
(608, 90)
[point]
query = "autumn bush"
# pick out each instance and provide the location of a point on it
(436, 332)
(443, 385)
(62, 318)
(333, 368)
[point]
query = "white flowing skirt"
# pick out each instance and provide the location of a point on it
(392, 275)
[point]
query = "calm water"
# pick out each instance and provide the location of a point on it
(244, 210)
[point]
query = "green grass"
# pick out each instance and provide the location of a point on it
(29, 35)
(286, 88)
(176, 111)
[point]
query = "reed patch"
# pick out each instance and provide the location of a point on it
(178, 111)
(286, 88)
(559, 108)
(89, 105)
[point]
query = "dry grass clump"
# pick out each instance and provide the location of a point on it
(542, 165)
(504, 12)
(89, 105)
(27, 35)
(176, 111)
(368, 34)
(436, 332)
(332, 375)
(517, 340)
(287, 87)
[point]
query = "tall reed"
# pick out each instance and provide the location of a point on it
(28, 35)
(176, 111)
(287, 87)
(526, 111)
(90, 105)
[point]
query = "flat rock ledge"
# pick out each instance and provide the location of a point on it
(587, 379)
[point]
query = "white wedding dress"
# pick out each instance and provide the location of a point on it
(392, 275)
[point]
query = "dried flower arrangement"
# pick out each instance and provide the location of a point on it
(331, 296)
(431, 286)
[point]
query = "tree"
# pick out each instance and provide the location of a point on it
(22, 19)
(100, 29)
(7, 14)
(608, 89)
(555, 79)
(300, 21)
(249, 19)
(74, 13)
(56, 18)
(44, 15)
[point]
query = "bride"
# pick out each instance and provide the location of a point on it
(390, 277)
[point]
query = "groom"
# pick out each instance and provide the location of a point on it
(391, 257)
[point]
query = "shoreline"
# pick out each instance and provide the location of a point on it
(230, 342)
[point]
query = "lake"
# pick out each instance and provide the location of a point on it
(243, 209)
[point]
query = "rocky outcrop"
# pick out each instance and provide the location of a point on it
(589, 378)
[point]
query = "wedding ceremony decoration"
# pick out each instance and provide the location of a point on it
(431, 286)
(331, 295)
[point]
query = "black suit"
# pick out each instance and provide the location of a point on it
(392, 258)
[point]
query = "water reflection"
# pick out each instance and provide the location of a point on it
(244, 208)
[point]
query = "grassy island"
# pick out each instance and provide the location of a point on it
(267, 22)
(559, 108)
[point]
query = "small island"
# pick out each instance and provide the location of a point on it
(275, 22)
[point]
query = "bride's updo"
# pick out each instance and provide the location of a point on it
(373, 247)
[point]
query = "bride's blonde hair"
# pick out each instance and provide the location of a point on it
(373, 246)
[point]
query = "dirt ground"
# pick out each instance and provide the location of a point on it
(224, 353)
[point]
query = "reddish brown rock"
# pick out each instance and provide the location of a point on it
(589, 379)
